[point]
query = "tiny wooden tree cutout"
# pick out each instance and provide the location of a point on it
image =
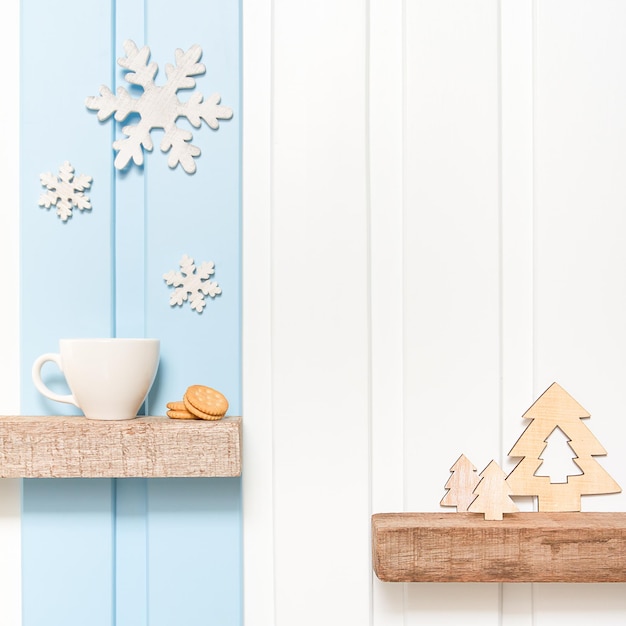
(461, 485)
(557, 409)
(493, 495)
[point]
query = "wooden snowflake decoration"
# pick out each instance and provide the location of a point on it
(192, 283)
(65, 191)
(159, 107)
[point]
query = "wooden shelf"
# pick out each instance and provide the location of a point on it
(148, 447)
(523, 547)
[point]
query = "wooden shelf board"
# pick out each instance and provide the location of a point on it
(148, 447)
(523, 547)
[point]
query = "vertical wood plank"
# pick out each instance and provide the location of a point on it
(66, 287)
(129, 271)
(517, 220)
(10, 548)
(451, 273)
(131, 551)
(129, 214)
(580, 256)
(9, 216)
(386, 183)
(10, 489)
(129, 223)
(258, 375)
(516, 104)
(67, 552)
(194, 526)
(581, 302)
(320, 313)
(386, 186)
(66, 273)
(579, 605)
(197, 215)
(194, 551)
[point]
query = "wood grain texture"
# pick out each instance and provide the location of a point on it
(145, 447)
(461, 484)
(492, 494)
(523, 547)
(556, 409)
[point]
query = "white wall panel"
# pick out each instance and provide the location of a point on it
(581, 221)
(320, 313)
(447, 176)
(580, 159)
(10, 569)
(258, 477)
(386, 189)
(451, 272)
(516, 188)
(579, 605)
(516, 242)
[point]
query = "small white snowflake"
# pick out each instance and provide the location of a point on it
(159, 107)
(66, 191)
(192, 283)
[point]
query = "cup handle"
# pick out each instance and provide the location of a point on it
(39, 384)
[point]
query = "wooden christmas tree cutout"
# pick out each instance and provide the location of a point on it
(556, 409)
(461, 485)
(493, 495)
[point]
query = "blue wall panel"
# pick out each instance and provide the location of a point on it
(130, 198)
(131, 543)
(67, 550)
(197, 215)
(130, 552)
(194, 556)
(67, 291)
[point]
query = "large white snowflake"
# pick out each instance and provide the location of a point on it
(192, 283)
(159, 107)
(65, 191)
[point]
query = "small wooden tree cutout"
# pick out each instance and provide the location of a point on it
(493, 495)
(557, 409)
(461, 485)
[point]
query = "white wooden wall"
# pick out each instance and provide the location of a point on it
(10, 567)
(435, 231)
(435, 228)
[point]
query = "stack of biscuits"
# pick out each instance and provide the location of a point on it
(199, 402)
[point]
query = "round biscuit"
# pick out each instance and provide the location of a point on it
(179, 405)
(181, 415)
(206, 400)
(201, 414)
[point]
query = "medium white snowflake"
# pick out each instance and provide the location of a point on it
(159, 107)
(192, 283)
(66, 191)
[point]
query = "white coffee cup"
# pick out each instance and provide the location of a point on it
(108, 378)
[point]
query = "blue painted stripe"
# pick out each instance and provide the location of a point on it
(67, 526)
(194, 559)
(194, 555)
(130, 201)
(131, 549)
(67, 546)
(131, 584)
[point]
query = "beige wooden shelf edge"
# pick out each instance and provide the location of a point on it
(148, 447)
(523, 547)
